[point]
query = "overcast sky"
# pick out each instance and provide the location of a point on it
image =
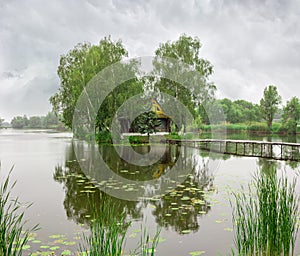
(250, 43)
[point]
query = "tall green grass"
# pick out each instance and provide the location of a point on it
(13, 235)
(108, 232)
(147, 246)
(266, 218)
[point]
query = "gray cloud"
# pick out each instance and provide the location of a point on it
(10, 74)
(250, 43)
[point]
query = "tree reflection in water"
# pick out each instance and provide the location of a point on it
(82, 196)
(179, 208)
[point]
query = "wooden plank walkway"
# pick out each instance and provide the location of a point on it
(251, 148)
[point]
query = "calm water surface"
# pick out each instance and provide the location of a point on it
(196, 216)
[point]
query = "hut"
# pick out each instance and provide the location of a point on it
(165, 121)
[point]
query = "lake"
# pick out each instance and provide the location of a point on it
(184, 191)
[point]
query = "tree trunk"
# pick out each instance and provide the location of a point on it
(269, 124)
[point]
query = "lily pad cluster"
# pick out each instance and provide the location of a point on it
(57, 244)
(181, 207)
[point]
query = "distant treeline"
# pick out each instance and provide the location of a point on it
(50, 121)
(267, 116)
(226, 111)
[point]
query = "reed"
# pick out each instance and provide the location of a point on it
(147, 246)
(13, 235)
(107, 231)
(266, 218)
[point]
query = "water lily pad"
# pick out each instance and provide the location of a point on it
(89, 187)
(198, 201)
(160, 240)
(36, 241)
(56, 236)
(54, 248)
(220, 221)
(26, 247)
(69, 243)
(60, 241)
(89, 191)
(196, 253)
(154, 199)
(66, 252)
(185, 198)
(44, 246)
(129, 189)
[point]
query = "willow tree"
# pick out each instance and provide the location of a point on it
(77, 68)
(187, 51)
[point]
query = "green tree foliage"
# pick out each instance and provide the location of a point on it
(214, 108)
(50, 120)
(76, 69)
(249, 112)
(1, 121)
(239, 111)
(147, 123)
(187, 50)
(19, 122)
(115, 99)
(35, 122)
(269, 104)
(291, 115)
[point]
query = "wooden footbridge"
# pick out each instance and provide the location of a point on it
(248, 148)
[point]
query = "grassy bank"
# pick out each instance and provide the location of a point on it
(204, 131)
(260, 128)
(254, 128)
